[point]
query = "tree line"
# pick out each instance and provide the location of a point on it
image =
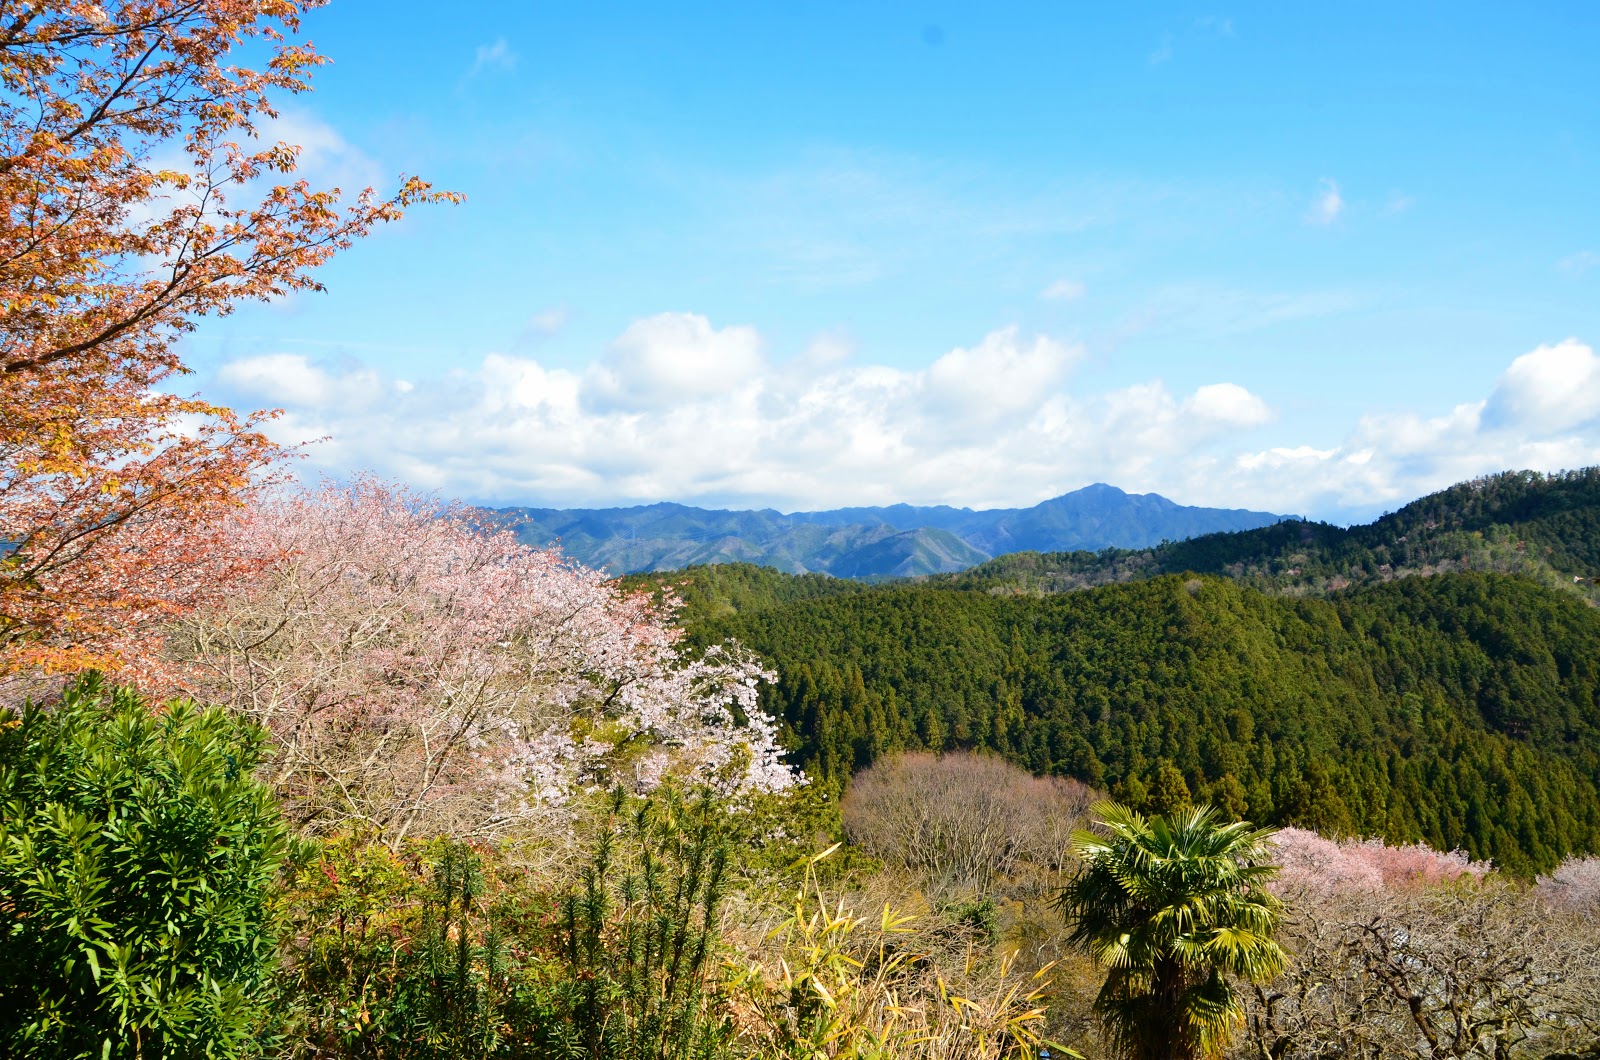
(1458, 711)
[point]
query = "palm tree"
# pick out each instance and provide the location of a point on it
(1173, 909)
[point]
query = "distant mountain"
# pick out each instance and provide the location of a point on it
(897, 541)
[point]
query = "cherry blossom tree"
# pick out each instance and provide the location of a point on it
(1574, 884)
(1310, 861)
(421, 672)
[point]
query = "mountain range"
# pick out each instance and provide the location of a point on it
(870, 543)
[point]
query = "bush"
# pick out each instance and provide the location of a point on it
(441, 950)
(136, 851)
(397, 953)
(832, 984)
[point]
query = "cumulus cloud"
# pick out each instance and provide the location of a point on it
(1549, 390)
(1229, 404)
(1000, 376)
(1541, 414)
(672, 357)
(1327, 205)
(290, 379)
(678, 408)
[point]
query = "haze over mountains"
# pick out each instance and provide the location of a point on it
(899, 540)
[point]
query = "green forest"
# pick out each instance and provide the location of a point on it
(1293, 674)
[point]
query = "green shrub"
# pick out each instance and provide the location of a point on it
(136, 851)
(633, 969)
(438, 950)
(401, 953)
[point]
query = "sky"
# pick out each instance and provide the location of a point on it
(803, 255)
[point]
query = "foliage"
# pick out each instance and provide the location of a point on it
(136, 852)
(403, 953)
(1173, 909)
(636, 946)
(725, 589)
(840, 986)
(143, 189)
(420, 674)
(438, 950)
(1458, 711)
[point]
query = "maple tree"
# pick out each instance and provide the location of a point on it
(139, 192)
(420, 672)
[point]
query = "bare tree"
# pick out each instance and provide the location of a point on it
(965, 820)
(1481, 969)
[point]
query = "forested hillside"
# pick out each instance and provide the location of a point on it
(723, 589)
(1458, 710)
(1545, 527)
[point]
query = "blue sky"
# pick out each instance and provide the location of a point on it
(805, 255)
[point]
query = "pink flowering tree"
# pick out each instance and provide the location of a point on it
(1312, 862)
(422, 673)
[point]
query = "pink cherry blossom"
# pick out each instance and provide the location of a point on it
(1310, 861)
(420, 671)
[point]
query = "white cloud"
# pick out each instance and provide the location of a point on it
(291, 380)
(1283, 456)
(494, 56)
(1229, 404)
(1064, 291)
(1552, 389)
(671, 357)
(1540, 415)
(679, 409)
(999, 376)
(1327, 205)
